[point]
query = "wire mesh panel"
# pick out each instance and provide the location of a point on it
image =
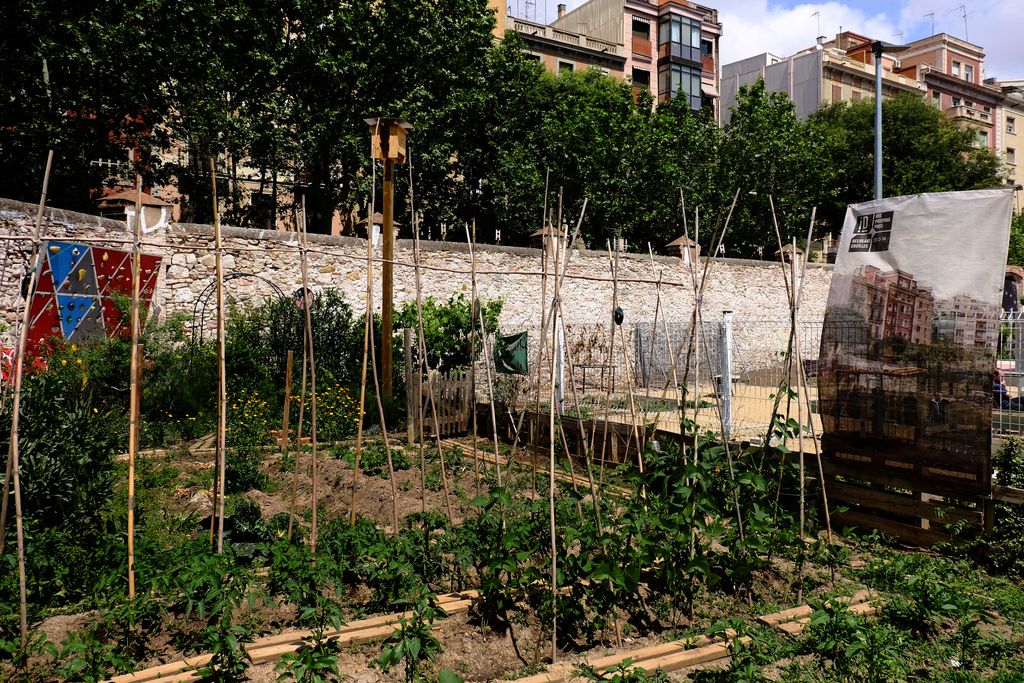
(1008, 406)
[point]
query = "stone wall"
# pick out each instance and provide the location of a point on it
(753, 290)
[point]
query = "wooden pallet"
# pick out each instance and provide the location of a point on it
(793, 621)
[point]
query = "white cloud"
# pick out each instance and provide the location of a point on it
(755, 26)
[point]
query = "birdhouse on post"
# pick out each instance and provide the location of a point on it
(387, 144)
(387, 138)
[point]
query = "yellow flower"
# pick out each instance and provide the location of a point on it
(74, 348)
(63, 361)
(78, 361)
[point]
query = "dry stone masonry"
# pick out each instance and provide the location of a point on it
(753, 290)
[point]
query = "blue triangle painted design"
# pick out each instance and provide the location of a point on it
(72, 308)
(63, 262)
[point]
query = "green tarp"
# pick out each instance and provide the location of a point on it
(510, 354)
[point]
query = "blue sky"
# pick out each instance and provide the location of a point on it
(782, 27)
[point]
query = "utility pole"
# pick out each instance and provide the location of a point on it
(388, 144)
(876, 48)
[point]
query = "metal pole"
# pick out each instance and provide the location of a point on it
(387, 276)
(726, 386)
(876, 47)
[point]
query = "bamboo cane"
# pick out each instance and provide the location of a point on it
(470, 238)
(304, 263)
(425, 365)
(384, 431)
(134, 389)
(367, 334)
(293, 505)
(551, 482)
(13, 464)
(289, 364)
(222, 401)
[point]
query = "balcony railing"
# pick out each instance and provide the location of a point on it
(529, 28)
(962, 111)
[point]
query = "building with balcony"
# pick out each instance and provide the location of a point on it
(952, 70)
(560, 49)
(666, 47)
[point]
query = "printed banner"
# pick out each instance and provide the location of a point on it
(911, 327)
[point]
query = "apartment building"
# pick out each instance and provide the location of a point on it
(669, 48)
(838, 70)
(952, 70)
(946, 70)
(1009, 136)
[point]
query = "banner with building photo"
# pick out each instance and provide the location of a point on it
(911, 328)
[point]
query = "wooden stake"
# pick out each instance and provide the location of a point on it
(135, 385)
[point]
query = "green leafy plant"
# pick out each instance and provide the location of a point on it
(413, 642)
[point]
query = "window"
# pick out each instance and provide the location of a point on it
(982, 141)
(677, 80)
(641, 77)
(566, 66)
(706, 47)
(679, 37)
(936, 98)
(1011, 125)
(641, 28)
(1011, 155)
(532, 57)
(969, 73)
(956, 101)
(956, 68)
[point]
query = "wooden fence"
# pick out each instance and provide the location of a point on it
(453, 398)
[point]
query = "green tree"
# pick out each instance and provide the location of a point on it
(923, 151)
(1016, 254)
(766, 151)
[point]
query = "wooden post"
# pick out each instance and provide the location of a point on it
(387, 277)
(387, 143)
(411, 389)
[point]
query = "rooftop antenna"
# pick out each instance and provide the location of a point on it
(932, 15)
(898, 35)
(817, 15)
(963, 14)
